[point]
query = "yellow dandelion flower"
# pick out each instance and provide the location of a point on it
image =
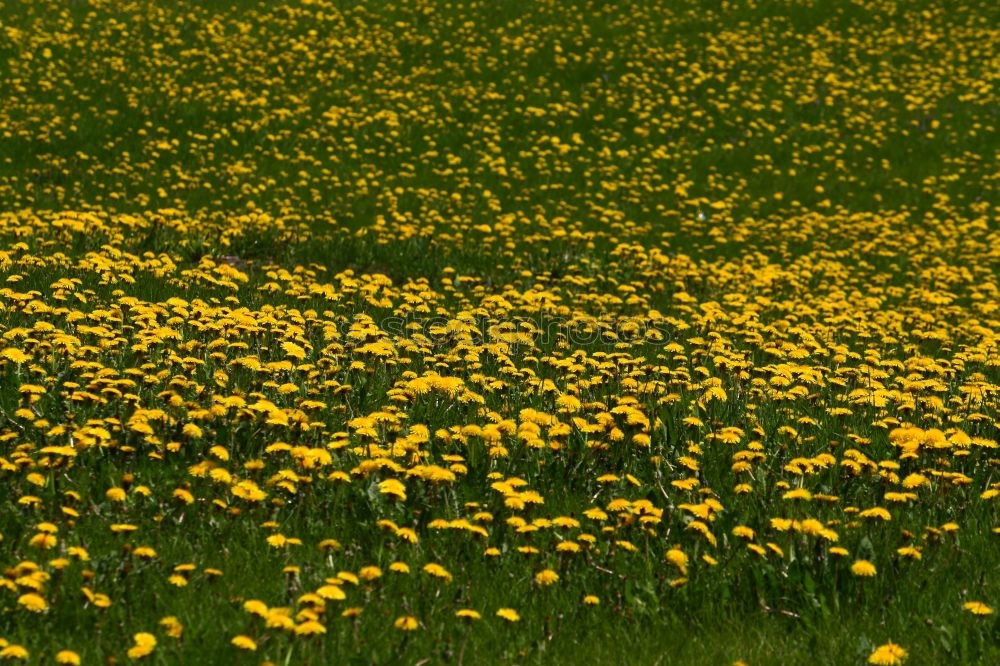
(889, 654)
(509, 614)
(145, 643)
(244, 643)
(370, 573)
(172, 626)
(309, 628)
(256, 607)
(863, 568)
(15, 355)
(13, 651)
(679, 559)
(406, 623)
(437, 571)
(331, 593)
(394, 488)
(546, 577)
(977, 608)
(33, 602)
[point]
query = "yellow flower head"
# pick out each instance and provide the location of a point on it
(68, 657)
(244, 643)
(33, 602)
(546, 577)
(508, 614)
(406, 623)
(863, 568)
(889, 654)
(977, 608)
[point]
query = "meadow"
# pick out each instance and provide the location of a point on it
(461, 332)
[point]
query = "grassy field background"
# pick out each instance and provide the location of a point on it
(669, 331)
